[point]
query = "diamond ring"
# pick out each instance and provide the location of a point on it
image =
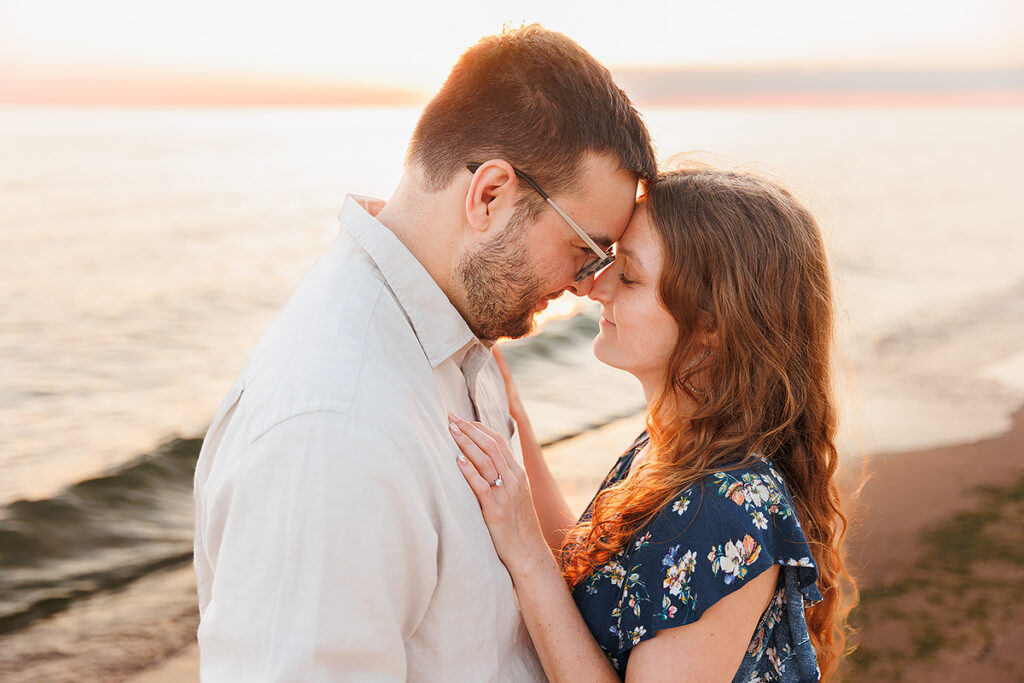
(497, 482)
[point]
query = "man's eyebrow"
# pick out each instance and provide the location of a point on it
(602, 241)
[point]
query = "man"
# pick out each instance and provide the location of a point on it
(335, 536)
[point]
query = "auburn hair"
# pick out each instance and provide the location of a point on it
(535, 98)
(744, 259)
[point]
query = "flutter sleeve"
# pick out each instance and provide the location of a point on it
(708, 542)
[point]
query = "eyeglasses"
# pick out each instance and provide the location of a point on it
(595, 263)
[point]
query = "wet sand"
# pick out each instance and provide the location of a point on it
(938, 550)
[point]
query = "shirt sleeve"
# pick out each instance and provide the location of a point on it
(325, 557)
(707, 543)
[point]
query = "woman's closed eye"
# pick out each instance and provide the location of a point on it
(625, 281)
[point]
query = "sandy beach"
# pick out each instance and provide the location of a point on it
(935, 545)
(937, 549)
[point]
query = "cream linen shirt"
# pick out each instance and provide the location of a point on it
(336, 538)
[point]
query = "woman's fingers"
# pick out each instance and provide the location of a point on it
(488, 441)
(483, 461)
(506, 458)
(509, 515)
(480, 486)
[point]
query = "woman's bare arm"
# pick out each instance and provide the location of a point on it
(711, 648)
(552, 509)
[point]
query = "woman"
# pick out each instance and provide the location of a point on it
(711, 551)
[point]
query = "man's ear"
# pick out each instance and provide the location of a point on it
(491, 193)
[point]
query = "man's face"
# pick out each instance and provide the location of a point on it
(511, 277)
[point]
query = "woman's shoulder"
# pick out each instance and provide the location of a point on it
(707, 542)
(731, 500)
(724, 530)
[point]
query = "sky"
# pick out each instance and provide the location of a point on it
(411, 45)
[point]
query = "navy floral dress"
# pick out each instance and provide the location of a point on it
(713, 538)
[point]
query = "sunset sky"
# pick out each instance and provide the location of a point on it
(58, 47)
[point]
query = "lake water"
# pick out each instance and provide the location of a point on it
(144, 251)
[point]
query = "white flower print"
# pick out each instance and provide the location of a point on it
(677, 578)
(681, 505)
(749, 491)
(615, 572)
(760, 521)
(636, 634)
(759, 495)
(802, 562)
(734, 558)
(756, 490)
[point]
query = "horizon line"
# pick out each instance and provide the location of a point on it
(661, 85)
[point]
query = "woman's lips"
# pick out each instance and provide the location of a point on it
(606, 321)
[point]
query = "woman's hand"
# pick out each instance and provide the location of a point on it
(564, 644)
(501, 488)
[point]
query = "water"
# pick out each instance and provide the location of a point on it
(144, 251)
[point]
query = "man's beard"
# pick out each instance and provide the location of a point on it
(501, 288)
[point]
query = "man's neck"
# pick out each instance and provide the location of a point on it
(424, 224)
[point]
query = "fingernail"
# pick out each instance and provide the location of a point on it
(452, 417)
(462, 459)
(454, 427)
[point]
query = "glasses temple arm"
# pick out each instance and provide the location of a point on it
(601, 253)
(579, 231)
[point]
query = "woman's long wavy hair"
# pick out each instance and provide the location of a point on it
(745, 262)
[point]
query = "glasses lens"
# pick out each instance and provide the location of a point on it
(593, 266)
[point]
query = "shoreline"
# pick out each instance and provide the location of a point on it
(910, 506)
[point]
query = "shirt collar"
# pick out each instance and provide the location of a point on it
(438, 326)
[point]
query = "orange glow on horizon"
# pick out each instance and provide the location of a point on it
(52, 85)
(314, 52)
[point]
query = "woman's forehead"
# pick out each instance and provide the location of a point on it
(638, 242)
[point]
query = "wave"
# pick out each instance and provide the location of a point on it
(97, 535)
(105, 532)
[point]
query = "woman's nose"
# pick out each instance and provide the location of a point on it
(583, 287)
(598, 287)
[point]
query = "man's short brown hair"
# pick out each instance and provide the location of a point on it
(536, 99)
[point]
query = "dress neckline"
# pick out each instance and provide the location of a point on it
(626, 461)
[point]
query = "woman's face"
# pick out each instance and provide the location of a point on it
(637, 333)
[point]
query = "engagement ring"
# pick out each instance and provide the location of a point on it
(496, 482)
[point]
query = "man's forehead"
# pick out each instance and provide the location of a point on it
(607, 200)
(606, 240)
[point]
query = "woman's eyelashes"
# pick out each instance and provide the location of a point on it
(624, 280)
